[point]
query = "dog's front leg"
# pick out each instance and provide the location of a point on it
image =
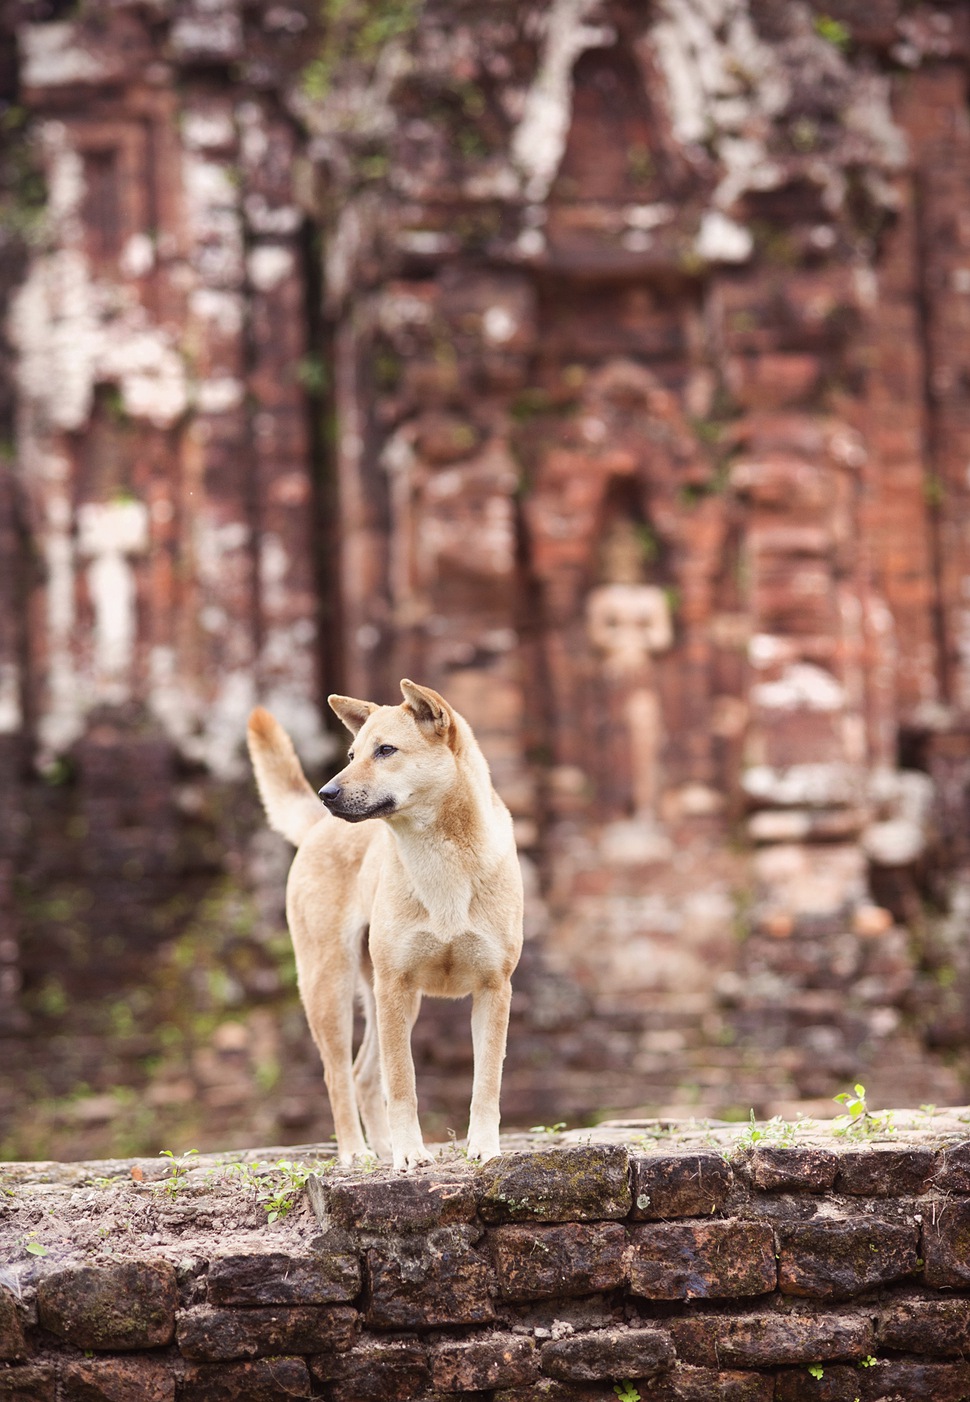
(490, 1024)
(397, 1008)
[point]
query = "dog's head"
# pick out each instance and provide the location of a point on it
(403, 757)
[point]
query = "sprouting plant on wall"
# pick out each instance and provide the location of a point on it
(179, 1165)
(817, 1371)
(859, 1122)
(775, 1133)
(626, 1392)
(34, 1248)
(276, 1187)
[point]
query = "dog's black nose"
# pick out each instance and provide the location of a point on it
(329, 793)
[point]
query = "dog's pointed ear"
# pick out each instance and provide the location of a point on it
(352, 713)
(427, 707)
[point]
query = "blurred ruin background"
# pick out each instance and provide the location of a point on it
(605, 365)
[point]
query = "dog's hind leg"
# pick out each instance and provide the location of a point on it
(490, 1023)
(367, 1079)
(328, 998)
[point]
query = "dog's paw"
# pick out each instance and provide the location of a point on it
(411, 1156)
(483, 1149)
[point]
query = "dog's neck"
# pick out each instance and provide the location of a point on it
(445, 852)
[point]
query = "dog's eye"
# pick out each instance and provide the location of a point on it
(383, 751)
(350, 754)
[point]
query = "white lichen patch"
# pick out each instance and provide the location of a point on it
(52, 55)
(728, 90)
(539, 140)
(722, 240)
(11, 711)
(269, 265)
(802, 686)
(109, 533)
(73, 331)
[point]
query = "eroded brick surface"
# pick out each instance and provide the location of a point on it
(504, 1360)
(210, 1334)
(278, 1279)
(264, 1380)
(833, 1259)
(562, 1185)
(126, 1305)
(118, 1379)
(679, 1186)
(609, 1353)
(432, 1279)
(765, 1339)
(540, 1262)
(719, 1260)
(11, 1328)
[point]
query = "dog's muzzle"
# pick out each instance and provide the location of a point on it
(333, 796)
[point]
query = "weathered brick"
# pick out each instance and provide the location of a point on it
(124, 1305)
(952, 1171)
(701, 1260)
(879, 1172)
(906, 1380)
(679, 1185)
(581, 1184)
(768, 1339)
(11, 1330)
(608, 1353)
(946, 1245)
(792, 1170)
(553, 1390)
(540, 1263)
(831, 1259)
(265, 1380)
(476, 1365)
(426, 1281)
(276, 1278)
(211, 1334)
(35, 1382)
(925, 1326)
(835, 1382)
(685, 1383)
(376, 1370)
(125, 1379)
(401, 1205)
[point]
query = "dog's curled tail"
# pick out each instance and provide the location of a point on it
(291, 805)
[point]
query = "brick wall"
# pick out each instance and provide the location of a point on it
(689, 1262)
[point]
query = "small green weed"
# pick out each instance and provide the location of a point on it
(817, 1371)
(626, 1392)
(34, 1248)
(276, 1186)
(548, 1129)
(179, 1166)
(775, 1133)
(859, 1122)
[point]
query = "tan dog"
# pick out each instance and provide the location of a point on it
(427, 900)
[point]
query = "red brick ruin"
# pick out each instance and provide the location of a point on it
(603, 365)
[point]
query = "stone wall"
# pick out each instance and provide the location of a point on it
(601, 364)
(682, 1261)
